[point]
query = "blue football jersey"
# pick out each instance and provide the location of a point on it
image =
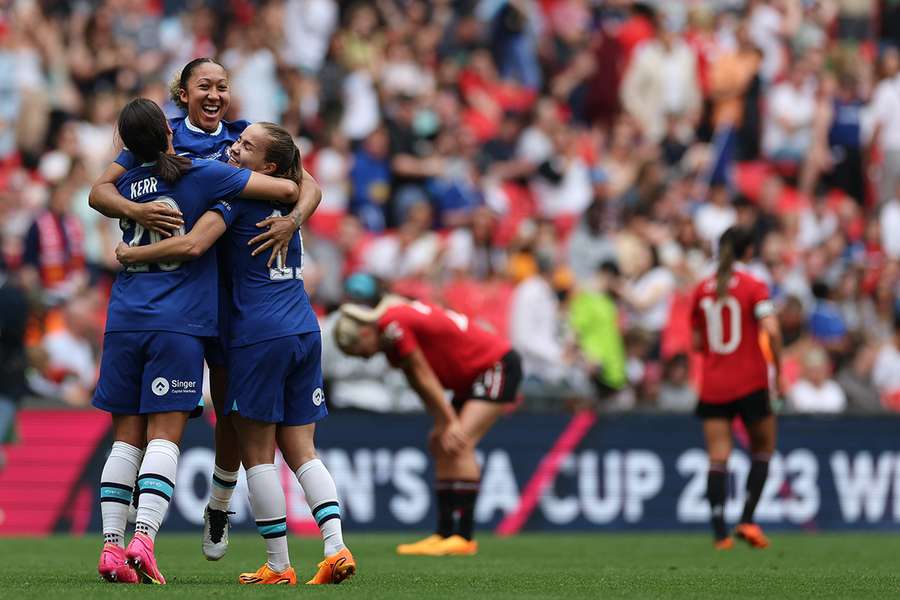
(193, 142)
(177, 297)
(265, 303)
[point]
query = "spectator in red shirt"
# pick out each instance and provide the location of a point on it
(54, 248)
(439, 349)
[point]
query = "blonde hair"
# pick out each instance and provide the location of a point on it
(346, 333)
(356, 316)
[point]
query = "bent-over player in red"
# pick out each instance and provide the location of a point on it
(728, 312)
(438, 349)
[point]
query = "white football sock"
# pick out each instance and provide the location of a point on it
(116, 489)
(156, 484)
(270, 512)
(223, 486)
(321, 495)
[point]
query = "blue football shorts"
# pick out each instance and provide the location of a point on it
(145, 372)
(278, 381)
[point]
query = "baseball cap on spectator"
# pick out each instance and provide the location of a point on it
(363, 288)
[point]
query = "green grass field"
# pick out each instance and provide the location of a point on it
(528, 566)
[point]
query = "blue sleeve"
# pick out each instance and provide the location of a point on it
(228, 210)
(126, 160)
(32, 250)
(220, 181)
(238, 127)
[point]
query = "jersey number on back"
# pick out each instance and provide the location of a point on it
(461, 321)
(154, 238)
(281, 272)
(714, 310)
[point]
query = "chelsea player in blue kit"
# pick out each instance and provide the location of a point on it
(158, 316)
(274, 353)
(202, 91)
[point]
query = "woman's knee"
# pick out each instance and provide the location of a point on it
(762, 436)
(132, 431)
(167, 426)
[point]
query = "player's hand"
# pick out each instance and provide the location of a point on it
(451, 437)
(277, 237)
(158, 217)
(780, 386)
(122, 251)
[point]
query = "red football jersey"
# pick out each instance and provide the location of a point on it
(733, 362)
(457, 349)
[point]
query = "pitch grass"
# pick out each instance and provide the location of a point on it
(596, 565)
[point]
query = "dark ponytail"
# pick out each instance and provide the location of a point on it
(144, 131)
(733, 246)
(283, 152)
(172, 167)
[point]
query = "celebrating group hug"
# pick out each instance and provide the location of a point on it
(212, 257)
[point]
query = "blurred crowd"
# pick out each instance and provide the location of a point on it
(558, 169)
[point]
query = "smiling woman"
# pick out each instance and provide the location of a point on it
(201, 90)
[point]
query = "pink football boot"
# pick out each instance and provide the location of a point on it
(140, 557)
(113, 567)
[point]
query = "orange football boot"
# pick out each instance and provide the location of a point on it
(724, 544)
(266, 576)
(419, 548)
(335, 569)
(455, 545)
(752, 534)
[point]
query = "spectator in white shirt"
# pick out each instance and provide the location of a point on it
(538, 331)
(816, 392)
(787, 133)
(254, 78)
(661, 83)
(535, 326)
(714, 217)
(649, 294)
(817, 224)
(886, 373)
(308, 27)
(412, 251)
(890, 225)
(884, 122)
(331, 169)
(536, 142)
(563, 187)
(767, 26)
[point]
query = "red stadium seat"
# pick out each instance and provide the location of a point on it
(749, 178)
(325, 224)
